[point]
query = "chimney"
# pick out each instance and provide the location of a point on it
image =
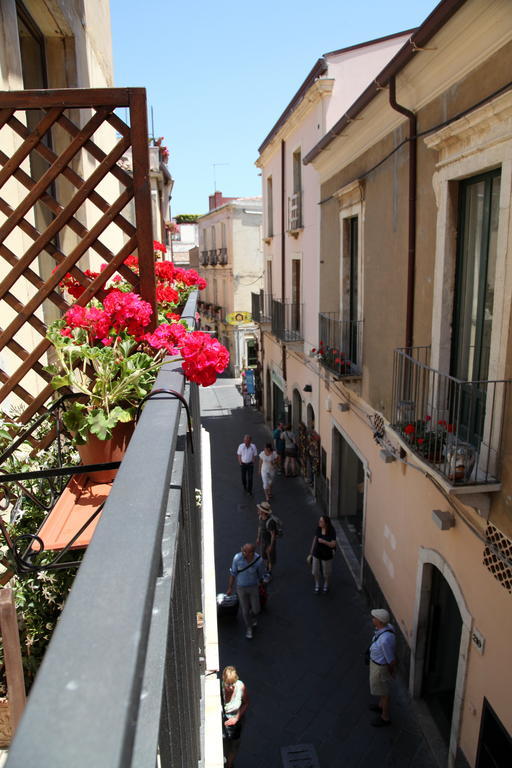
(215, 200)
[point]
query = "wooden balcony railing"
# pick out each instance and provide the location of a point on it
(63, 198)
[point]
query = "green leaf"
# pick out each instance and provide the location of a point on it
(61, 381)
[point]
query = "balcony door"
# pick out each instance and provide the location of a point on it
(474, 297)
(353, 255)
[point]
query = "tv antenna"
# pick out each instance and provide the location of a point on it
(215, 165)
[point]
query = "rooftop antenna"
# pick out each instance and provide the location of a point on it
(152, 126)
(214, 174)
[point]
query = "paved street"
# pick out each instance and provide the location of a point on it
(304, 669)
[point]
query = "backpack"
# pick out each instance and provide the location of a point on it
(278, 524)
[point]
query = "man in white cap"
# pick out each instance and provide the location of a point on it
(382, 664)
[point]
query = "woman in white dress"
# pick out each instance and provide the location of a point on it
(234, 704)
(268, 463)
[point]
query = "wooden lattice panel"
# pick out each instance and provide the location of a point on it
(66, 204)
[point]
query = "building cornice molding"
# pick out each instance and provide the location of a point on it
(485, 127)
(319, 90)
(351, 194)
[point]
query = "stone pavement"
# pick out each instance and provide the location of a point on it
(304, 669)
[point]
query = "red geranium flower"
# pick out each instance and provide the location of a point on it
(410, 429)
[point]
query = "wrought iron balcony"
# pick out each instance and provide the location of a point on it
(222, 256)
(204, 259)
(212, 257)
(287, 320)
(455, 426)
(340, 346)
(261, 305)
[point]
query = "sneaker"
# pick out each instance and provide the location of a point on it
(326, 588)
(248, 634)
(317, 589)
(254, 622)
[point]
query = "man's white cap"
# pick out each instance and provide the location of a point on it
(381, 615)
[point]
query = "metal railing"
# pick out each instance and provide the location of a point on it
(204, 258)
(261, 306)
(456, 426)
(287, 320)
(341, 344)
(122, 677)
(222, 256)
(213, 257)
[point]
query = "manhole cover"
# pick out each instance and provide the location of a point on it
(299, 756)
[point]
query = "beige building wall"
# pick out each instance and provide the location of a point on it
(233, 233)
(461, 95)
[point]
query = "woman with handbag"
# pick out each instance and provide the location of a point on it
(234, 704)
(322, 552)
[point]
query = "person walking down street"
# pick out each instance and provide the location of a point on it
(382, 652)
(246, 454)
(322, 551)
(279, 446)
(247, 570)
(234, 705)
(290, 452)
(266, 535)
(268, 463)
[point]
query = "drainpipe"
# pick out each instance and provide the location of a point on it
(411, 258)
(283, 221)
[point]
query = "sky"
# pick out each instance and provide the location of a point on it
(219, 74)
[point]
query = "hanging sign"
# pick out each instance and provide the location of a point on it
(234, 318)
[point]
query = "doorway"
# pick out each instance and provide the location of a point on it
(442, 652)
(347, 483)
(296, 410)
(495, 744)
(277, 404)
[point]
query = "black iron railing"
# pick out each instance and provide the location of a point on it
(261, 306)
(212, 257)
(340, 345)
(222, 256)
(287, 320)
(454, 425)
(204, 258)
(122, 677)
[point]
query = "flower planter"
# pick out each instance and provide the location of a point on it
(96, 451)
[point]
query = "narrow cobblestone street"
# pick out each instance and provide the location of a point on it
(304, 669)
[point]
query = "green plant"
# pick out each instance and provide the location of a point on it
(186, 218)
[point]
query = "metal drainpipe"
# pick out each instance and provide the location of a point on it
(411, 259)
(283, 220)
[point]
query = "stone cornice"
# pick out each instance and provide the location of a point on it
(485, 127)
(351, 194)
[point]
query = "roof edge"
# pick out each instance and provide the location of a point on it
(441, 14)
(371, 42)
(319, 69)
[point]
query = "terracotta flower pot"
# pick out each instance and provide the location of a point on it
(96, 451)
(5, 723)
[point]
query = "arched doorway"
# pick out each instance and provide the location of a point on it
(441, 641)
(310, 417)
(296, 410)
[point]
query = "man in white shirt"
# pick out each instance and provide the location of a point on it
(246, 453)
